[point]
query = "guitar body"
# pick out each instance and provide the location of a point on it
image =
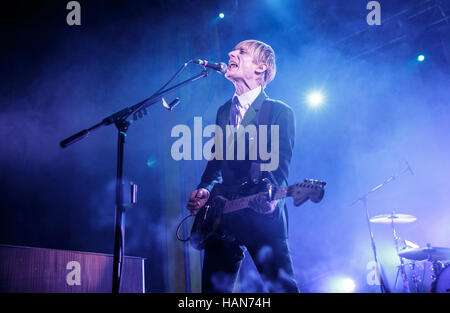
(208, 222)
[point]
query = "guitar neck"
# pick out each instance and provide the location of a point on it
(242, 203)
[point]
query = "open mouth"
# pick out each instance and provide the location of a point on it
(232, 65)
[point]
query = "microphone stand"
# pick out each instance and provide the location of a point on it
(383, 286)
(119, 119)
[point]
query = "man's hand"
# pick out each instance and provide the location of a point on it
(197, 200)
(261, 205)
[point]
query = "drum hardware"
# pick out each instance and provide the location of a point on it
(434, 256)
(410, 244)
(363, 200)
(393, 219)
(442, 282)
(413, 274)
(429, 253)
(437, 269)
(412, 266)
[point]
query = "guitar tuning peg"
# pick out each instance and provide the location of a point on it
(135, 117)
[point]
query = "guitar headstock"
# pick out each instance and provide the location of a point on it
(308, 189)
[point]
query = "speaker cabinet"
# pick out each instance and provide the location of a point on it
(39, 270)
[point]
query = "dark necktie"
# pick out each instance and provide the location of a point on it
(235, 116)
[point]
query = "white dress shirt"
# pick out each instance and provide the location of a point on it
(240, 105)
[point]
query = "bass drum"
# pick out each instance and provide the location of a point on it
(442, 283)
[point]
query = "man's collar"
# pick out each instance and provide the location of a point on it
(246, 99)
(252, 111)
(256, 105)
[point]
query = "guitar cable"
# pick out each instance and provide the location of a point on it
(178, 229)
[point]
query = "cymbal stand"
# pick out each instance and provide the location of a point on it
(381, 276)
(402, 263)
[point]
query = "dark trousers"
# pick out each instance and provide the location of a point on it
(222, 260)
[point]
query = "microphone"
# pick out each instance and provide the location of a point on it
(219, 67)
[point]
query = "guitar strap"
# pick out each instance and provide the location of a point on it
(255, 166)
(255, 174)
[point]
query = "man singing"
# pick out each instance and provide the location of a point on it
(262, 229)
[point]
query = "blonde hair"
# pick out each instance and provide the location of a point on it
(262, 54)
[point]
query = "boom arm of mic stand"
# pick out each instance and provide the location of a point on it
(146, 103)
(390, 179)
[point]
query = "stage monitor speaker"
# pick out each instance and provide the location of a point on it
(39, 270)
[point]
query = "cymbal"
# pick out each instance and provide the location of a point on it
(393, 217)
(428, 253)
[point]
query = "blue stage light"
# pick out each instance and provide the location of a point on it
(221, 15)
(420, 57)
(151, 162)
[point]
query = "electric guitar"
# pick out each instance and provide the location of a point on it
(225, 200)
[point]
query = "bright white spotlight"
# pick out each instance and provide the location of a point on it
(347, 285)
(315, 98)
(221, 15)
(420, 58)
(341, 285)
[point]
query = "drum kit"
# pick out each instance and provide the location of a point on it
(435, 258)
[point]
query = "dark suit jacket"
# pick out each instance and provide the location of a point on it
(231, 172)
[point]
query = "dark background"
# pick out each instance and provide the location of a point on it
(382, 109)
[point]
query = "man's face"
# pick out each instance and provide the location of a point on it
(241, 66)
